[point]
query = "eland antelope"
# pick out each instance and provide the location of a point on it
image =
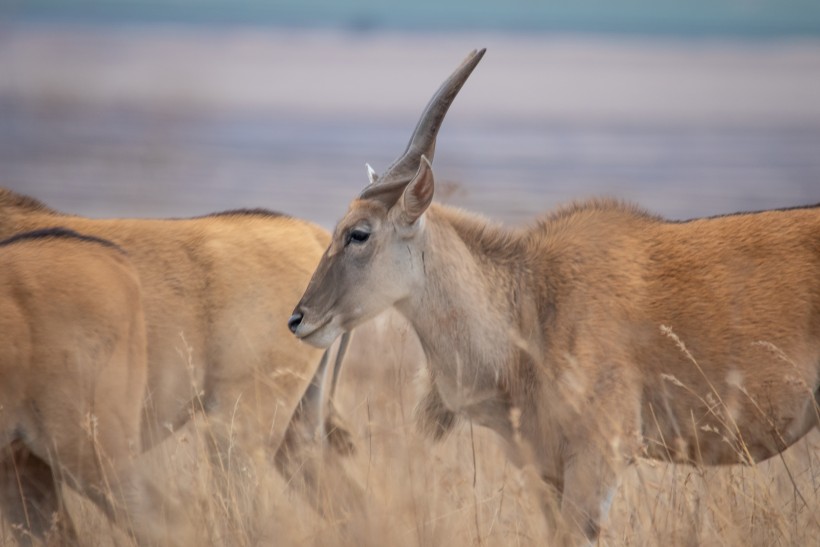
(72, 384)
(212, 288)
(598, 334)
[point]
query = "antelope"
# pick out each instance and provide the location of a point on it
(598, 334)
(212, 287)
(73, 371)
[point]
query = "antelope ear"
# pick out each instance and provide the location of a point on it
(418, 194)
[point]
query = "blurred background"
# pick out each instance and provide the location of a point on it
(180, 107)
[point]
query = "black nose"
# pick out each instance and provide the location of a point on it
(294, 321)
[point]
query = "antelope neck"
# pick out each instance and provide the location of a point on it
(461, 315)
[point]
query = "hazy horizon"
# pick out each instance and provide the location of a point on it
(168, 121)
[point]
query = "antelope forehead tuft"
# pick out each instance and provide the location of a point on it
(371, 174)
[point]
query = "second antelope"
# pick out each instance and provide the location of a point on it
(74, 373)
(598, 334)
(210, 288)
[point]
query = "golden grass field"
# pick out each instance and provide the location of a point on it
(460, 491)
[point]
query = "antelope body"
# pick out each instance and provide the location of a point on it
(73, 373)
(212, 289)
(598, 334)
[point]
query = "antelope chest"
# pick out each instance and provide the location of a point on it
(475, 396)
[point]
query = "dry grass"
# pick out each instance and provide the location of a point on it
(461, 491)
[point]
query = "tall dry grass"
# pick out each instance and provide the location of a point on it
(461, 491)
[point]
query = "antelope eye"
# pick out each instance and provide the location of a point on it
(357, 236)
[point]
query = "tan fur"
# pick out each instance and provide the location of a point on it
(597, 335)
(217, 291)
(73, 371)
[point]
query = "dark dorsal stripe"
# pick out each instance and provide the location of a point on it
(742, 213)
(58, 232)
(258, 212)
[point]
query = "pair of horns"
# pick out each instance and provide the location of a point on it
(388, 187)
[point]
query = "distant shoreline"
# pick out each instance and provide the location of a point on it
(325, 74)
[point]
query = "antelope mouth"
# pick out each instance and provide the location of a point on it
(320, 335)
(305, 329)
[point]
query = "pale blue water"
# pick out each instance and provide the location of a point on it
(749, 18)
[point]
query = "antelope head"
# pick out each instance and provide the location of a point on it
(374, 259)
